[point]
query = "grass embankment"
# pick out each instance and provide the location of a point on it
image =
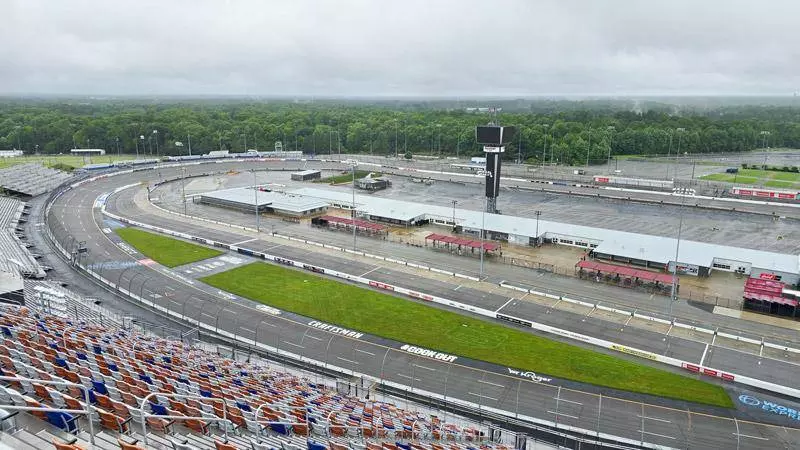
(66, 160)
(406, 321)
(348, 177)
(770, 178)
(166, 251)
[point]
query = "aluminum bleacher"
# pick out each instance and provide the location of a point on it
(13, 252)
(31, 179)
(126, 388)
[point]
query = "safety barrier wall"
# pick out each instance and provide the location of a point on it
(691, 367)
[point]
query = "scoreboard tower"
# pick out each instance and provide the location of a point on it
(494, 139)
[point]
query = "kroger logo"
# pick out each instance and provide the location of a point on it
(770, 407)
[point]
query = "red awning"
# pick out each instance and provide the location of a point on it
(358, 222)
(464, 242)
(625, 271)
(766, 291)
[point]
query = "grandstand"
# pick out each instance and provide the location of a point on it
(14, 256)
(125, 388)
(50, 298)
(31, 179)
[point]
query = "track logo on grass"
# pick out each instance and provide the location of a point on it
(428, 353)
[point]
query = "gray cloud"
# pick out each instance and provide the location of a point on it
(399, 47)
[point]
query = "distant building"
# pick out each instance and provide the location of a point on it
(243, 199)
(88, 151)
(10, 153)
(372, 184)
(306, 175)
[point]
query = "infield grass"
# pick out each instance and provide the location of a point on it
(166, 251)
(348, 177)
(771, 178)
(414, 323)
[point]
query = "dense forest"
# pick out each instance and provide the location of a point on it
(565, 132)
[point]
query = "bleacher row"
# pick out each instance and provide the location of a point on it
(199, 400)
(31, 179)
(50, 298)
(15, 255)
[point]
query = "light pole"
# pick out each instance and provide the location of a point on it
(255, 202)
(244, 138)
(678, 152)
(155, 133)
(610, 129)
(588, 147)
(458, 145)
(674, 293)
(439, 144)
(395, 139)
(483, 226)
(183, 188)
(544, 144)
(117, 141)
(454, 212)
(764, 135)
(538, 213)
(353, 164)
(144, 149)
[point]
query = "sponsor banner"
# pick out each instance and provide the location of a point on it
(285, 262)
(335, 330)
(380, 285)
(634, 352)
(709, 372)
(425, 297)
(691, 367)
(529, 375)
(770, 407)
(515, 320)
(428, 353)
(314, 269)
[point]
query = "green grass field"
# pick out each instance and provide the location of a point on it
(167, 251)
(69, 160)
(769, 178)
(406, 321)
(344, 178)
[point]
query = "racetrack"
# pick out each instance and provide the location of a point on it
(464, 380)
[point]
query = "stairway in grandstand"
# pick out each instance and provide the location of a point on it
(130, 390)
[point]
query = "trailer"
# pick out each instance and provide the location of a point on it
(637, 182)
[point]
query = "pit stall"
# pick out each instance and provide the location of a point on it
(624, 276)
(457, 244)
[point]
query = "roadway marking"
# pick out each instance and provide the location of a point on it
(655, 434)
(670, 328)
(426, 368)
(505, 304)
(458, 287)
(703, 358)
(248, 330)
(245, 241)
(270, 324)
(490, 383)
(347, 360)
(173, 301)
(406, 376)
(654, 418)
(208, 315)
(564, 415)
(364, 351)
(568, 401)
(292, 343)
(629, 319)
(314, 337)
(482, 396)
(751, 437)
(369, 271)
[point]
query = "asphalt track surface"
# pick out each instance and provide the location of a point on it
(677, 425)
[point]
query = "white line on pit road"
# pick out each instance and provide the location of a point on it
(426, 368)
(751, 437)
(563, 415)
(703, 358)
(364, 351)
(482, 396)
(505, 304)
(458, 287)
(314, 337)
(654, 418)
(407, 376)
(490, 383)
(247, 329)
(347, 360)
(567, 401)
(245, 241)
(292, 343)
(370, 271)
(208, 315)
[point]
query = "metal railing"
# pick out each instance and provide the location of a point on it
(87, 411)
(290, 408)
(145, 415)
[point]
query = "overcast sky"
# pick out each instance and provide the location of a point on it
(399, 47)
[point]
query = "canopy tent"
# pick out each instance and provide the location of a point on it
(464, 242)
(625, 271)
(767, 291)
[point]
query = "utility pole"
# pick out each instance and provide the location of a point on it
(255, 202)
(183, 189)
(117, 140)
(538, 213)
(189, 138)
(674, 293)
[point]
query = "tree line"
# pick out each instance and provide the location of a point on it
(572, 136)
